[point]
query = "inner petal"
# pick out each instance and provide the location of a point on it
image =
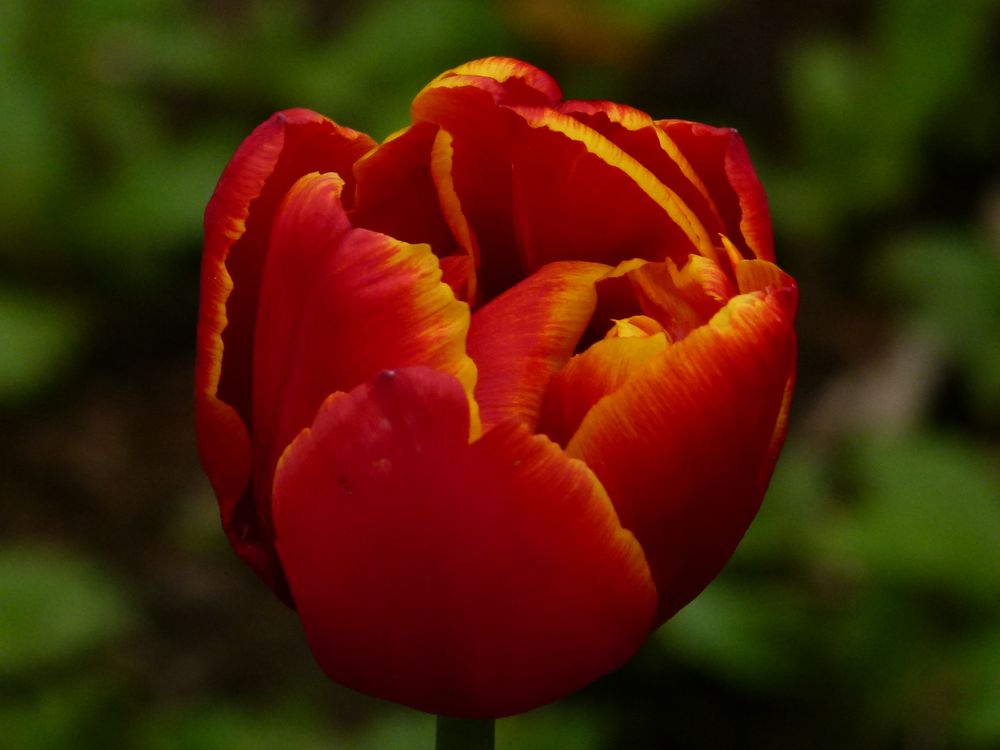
(678, 299)
(629, 347)
(519, 339)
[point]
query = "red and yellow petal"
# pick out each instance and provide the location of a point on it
(680, 299)
(338, 305)
(763, 276)
(472, 172)
(237, 226)
(395, 192)
(636, 134)
(521, 338)
(599, 371)
(673, 302)
(441, 167)
(579, 196)
(720, 157)
(510, 81)
(680, 448)
(479, 579)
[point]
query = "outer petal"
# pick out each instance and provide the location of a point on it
(721, 159)
(526, 334)
(469, 580)
(685, 449)
(760, 275)
(237, 226)
(579, 196)
(337, 306)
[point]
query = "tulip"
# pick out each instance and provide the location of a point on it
(490, 401)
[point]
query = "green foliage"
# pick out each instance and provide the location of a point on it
(393, 48)
(236, 726)
(645, 16)
(861, 609)
(57, 608)
(863, 110)
(928, 518)
(81, 712)
(60, 616)
(950, 284)
(38, 338)
(743, 634)
(555, 726)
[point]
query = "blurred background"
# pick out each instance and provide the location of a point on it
(862, 611)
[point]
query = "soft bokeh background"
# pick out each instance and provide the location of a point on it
(863, 609)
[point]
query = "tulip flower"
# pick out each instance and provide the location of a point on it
(490, 401)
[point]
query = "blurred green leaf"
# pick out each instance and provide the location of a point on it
(951, 284)
(56, 607)
(926, 49)
(555, 726)
(82, 713)
(152, 210)
(740, 632)
(39, 336)
(651, 16)
(927, 517)
(362, 79)
(33, 141)
(979, 716)
(237, 726)
(852, 159)
(791, 517)
(396, 728)
(863, 109)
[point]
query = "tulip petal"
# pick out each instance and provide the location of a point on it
(590, 376)
(680, 299)
(685, 449)
(396, 195)
(635, 133)
(521, 338)
(673, 301)
(513, 81)
(473, 173)
(442, 160)
(763, 276)
(458, 272)
(338, 305)
(475, 185)
(579, 196)
(286, 146)
(721, 158)
(464, 579)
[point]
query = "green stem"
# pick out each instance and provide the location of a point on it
(464, 734)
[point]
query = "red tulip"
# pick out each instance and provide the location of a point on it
(490, 401)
